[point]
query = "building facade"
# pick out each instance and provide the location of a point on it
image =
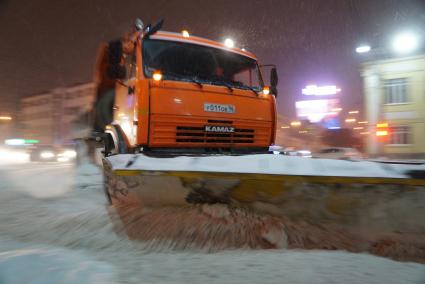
(48, 117)
(7, 120)
(394, 96)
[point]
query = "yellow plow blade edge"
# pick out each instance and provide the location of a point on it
(363, 203)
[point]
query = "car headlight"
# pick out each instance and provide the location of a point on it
(63, 159)
(47, 155)
(69, 154)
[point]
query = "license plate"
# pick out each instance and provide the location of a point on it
(219, 108)
(219, 129)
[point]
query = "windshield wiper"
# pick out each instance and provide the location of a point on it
(252, 89)
(219, 82)
(226, 84)
(195, 80)
(181, 77)
(240, 86)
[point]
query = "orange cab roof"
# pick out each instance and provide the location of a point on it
(163, 35)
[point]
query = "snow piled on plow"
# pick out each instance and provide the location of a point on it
(261, 164)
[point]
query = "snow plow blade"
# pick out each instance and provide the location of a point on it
(297, 188)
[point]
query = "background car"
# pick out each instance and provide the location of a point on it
(43, 153)
(339, 153)
(49, 153)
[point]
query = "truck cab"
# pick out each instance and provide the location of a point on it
(190, 94)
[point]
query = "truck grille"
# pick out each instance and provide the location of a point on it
(193, 134)
(181, 131)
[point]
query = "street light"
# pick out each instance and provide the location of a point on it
(363, 48)
(405, 43)
(350, 120)
(5, 118)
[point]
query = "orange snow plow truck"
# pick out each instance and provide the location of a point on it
(192, 124)
(186, 94)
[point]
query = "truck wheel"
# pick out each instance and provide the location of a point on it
(115, 142)
(122, 147)
(109, 145)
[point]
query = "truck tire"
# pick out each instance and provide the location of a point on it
(115, 142)
(109, 145)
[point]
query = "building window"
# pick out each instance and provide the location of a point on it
(399, 135)
(396, 91)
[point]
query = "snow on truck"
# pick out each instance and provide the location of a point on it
(192, 125)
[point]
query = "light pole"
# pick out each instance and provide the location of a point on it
(5, 118)
(405, 43)
(363, 48)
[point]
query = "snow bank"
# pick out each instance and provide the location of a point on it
(51, 265)
(38, 180)
(70, 239)
(263, 164)
(88, 175)
(12, 157)
(292, 267)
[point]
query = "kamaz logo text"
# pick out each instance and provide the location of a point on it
(223, 129)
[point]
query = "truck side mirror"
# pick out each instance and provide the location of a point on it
(273, 81)
(152, 30)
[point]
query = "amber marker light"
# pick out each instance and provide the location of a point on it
(185, 33)
(266, 90)
(157, 75)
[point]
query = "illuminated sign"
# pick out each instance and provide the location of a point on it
(313, 90)
(14, 142)
(316, 110)
(382, 129)
(19, 142)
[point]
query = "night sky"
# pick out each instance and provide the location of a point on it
(47, 44)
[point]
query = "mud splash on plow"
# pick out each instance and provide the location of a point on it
(206, 227)
(218, 227)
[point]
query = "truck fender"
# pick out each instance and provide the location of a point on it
(119, 139)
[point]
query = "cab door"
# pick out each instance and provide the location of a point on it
(125, 100)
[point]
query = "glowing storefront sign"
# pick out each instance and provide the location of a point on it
(313, 90)
(316, 110)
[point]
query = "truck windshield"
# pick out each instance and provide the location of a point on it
(203, 65)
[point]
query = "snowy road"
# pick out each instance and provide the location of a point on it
(55, 228)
